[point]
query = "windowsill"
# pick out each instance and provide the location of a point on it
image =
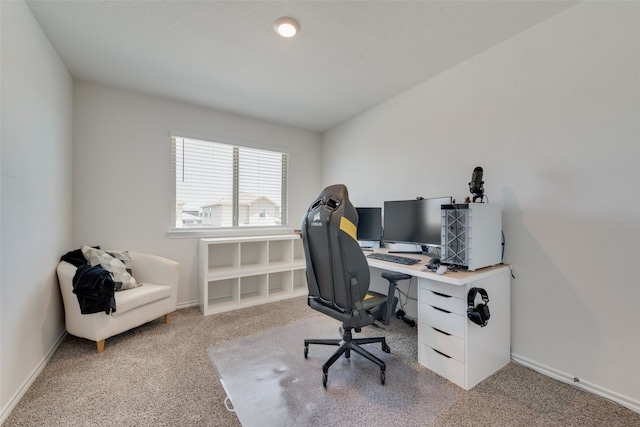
(177, 233)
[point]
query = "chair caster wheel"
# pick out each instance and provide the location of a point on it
(386, 348)
(382, 377)
(324, 379)
(306, 351)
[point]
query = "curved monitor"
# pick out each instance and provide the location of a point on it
(414, 221)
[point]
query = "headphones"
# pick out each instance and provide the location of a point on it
(478, 314)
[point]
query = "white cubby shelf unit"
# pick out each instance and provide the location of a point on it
(237, 272)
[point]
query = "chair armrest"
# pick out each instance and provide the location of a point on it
(154, 269)
(66, 272)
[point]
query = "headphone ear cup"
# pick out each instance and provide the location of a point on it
(483, 311)
(474, 316)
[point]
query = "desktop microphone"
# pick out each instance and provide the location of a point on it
(475, 186)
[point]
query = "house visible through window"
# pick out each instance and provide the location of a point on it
(221, 185)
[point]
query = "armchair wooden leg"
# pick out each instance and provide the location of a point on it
(167, 318)
(100, 345)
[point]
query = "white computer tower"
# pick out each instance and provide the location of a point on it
(471, 235)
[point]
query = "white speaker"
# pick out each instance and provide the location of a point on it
(471, 235)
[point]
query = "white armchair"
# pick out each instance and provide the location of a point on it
(155, 298)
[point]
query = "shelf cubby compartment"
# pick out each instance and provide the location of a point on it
(253, 287)
(298, 252)
(222, 294)
(253, 254)
(280, 282)
(223, 259)
(280, 252)
(299, 280)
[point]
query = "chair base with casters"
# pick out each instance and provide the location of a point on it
(345, 345)
(380, 310)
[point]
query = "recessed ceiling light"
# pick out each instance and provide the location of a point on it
(287, 27)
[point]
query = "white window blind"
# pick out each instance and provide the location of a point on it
(221, 185)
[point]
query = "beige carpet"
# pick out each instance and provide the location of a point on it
(161, 375)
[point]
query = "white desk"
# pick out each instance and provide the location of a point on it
(448, 342)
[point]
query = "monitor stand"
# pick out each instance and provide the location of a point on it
(368, 244)
(404, 248)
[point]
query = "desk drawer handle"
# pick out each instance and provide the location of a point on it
(442, 332)
(441, 309)
(441, 353)
(441, 295)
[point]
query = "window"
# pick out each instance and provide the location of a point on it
(221, 185)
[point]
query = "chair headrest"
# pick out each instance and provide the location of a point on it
(333, 197)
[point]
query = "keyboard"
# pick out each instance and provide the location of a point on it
(394, 258)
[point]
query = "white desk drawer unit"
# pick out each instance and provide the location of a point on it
(443, 298)
(443, 342)
(441, 329)
(442, 364)
(442, 319)
(449, 343)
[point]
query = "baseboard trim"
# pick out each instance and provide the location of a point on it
(625, 401)
(6, 411)
(187, 304)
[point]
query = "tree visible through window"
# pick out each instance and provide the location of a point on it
(221, 185)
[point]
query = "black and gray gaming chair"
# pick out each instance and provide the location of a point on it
(338, 277)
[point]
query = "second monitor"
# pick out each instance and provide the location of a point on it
(369, 226)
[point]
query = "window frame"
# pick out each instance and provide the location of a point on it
(235, 230)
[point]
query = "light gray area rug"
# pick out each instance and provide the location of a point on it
(270, 383)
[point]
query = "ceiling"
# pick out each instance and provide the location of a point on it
(348, 57)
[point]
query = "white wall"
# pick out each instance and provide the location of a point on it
(122, 170)
(35, 217)
(553, 117)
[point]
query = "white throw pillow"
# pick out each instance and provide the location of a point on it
(120, 271)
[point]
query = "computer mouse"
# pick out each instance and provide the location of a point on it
(442, 269)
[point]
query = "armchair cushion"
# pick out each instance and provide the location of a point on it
(142, 295)
(117, 266)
